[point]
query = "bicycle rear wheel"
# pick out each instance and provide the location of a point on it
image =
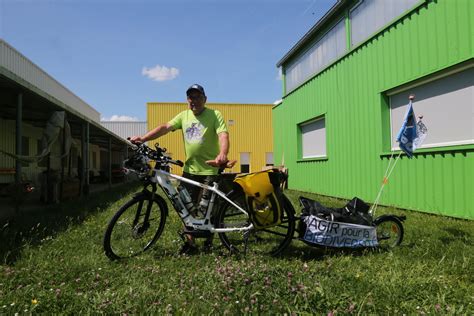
(135, 227)
(389, 231)
(271, 240)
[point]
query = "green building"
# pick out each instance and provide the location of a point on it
(346, 87)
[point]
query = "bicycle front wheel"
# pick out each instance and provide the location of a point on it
(389, 231)
(272, 240)
(135, 227)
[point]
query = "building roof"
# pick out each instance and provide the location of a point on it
(335, 9)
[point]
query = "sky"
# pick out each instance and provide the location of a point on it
(117, 55)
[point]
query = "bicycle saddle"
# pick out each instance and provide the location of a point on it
(228, 164)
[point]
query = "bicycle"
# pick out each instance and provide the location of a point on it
(140, 222)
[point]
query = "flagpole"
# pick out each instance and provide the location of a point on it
(388, 172)
(384, 182)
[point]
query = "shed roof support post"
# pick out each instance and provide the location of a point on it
(63, 159)
(80, 166)
(18, 135)
(87, 161)
(109, 169)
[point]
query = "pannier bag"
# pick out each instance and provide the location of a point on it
(263, 197)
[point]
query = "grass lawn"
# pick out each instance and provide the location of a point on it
(53, 263)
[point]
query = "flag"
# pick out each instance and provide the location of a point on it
(411, 134)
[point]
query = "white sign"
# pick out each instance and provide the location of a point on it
(336, 234)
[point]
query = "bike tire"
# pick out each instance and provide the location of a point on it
(389, 231)
(129, 233)
(271, 240)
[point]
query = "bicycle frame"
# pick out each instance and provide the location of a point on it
(162, 177)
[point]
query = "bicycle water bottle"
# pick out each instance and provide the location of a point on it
(186, 198)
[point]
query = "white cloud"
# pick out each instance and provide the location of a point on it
(121, 118)
(160, 73)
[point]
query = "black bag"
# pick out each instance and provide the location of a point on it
(355, 211)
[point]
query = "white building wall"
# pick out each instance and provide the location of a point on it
(125, 129)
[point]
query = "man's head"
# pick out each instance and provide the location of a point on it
(196, 98)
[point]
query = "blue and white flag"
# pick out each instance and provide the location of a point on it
(411, 134)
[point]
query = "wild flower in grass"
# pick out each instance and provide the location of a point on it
(34, 301)
(267, 281)
(438, 307)
(305, 267)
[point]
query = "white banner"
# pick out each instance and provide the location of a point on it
(336, 234)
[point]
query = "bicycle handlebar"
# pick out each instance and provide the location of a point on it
(156, 154)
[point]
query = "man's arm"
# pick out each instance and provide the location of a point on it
(154, 133)
(223, 148)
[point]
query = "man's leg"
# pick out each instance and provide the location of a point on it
(198, 195)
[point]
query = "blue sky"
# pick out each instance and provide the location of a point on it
(118, 55)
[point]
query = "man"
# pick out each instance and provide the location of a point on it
(205, 137)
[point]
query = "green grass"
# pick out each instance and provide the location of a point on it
(57, 266)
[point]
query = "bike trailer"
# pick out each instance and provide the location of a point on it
(346, 227)
(263, 197)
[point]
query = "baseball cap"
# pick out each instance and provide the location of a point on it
(196, 87)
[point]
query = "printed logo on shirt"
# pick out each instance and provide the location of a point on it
(194, 133)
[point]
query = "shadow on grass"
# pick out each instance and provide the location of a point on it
(30, 227)
(305, 252)
(456, 235)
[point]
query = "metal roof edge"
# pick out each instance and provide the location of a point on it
(208, 103)
(321, 22)
(47, 75)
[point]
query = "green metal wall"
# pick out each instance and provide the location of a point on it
(433, 37)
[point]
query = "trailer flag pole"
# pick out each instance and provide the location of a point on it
(410, 137)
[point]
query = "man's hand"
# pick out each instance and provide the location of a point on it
(221, 159)
(136, 139)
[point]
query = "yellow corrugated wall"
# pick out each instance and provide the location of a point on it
(250, 130)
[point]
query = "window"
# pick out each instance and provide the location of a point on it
(313, 138)
(446, 105)
(25, 149)
(244, 162)
(369, 16)
(326, 50)
(268, 159)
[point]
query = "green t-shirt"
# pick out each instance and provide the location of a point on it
(201, 141)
